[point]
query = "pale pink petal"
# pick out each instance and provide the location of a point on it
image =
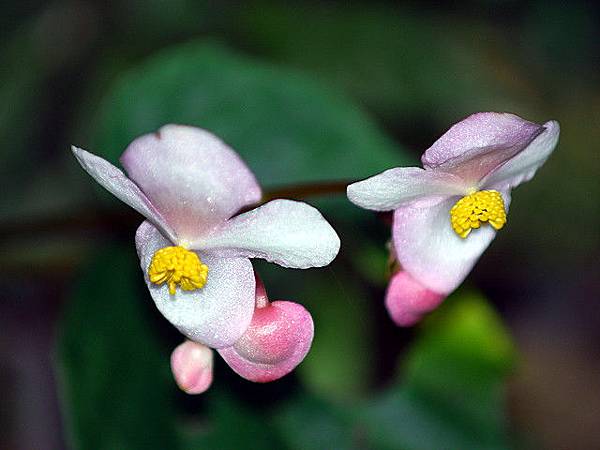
(215, 315)
(523, 166)
(431, 252)
(407, 300)
(115, 182)
(474, 147)
(192, 177)
(192, 367)
(286, 232)
(276, 341)
(401, 186)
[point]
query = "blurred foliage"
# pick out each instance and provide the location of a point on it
(34, 108)
(305, 92)
(229, 425)
(452, 393)
(118, 393)
(344, 328)
(286, 127)
(397, 61)
(114, 370)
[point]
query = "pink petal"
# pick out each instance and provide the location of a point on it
(115, 182)
(276, 341)
(192, 367)
(479, 144)
(523, 166)
(217, 314)
(288, 233)
(407, 300)
(194, 179)
(401, 186)
(431, 252)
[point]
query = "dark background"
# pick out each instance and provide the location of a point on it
(398, 75)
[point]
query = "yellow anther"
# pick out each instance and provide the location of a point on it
(177, 267)
(477, 207)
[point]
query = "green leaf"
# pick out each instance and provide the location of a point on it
(310, 423)
(288, 128)
(232, 426)
(452, 394)
(340, 363)
(114, 373)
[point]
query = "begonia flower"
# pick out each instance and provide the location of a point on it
(195, 246)
(447, 213)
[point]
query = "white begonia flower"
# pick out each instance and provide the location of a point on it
(193, 248)
(441, 211)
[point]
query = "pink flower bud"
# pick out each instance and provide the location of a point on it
(192, 367)
(407, 300)
(277, 340)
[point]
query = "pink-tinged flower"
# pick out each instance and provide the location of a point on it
(446, 214)
(193, 248)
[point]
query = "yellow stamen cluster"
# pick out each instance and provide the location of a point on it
(472, 209)
(177, 267)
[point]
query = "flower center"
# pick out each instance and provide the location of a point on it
(472, 209)
(177, 267)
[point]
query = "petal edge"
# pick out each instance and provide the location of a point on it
(114, 181)
(401, 186)
(523, 166)
(286, 232)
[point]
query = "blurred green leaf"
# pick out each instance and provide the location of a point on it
(288, 128)
(114, 373)
(310, 423)
(452, 394)
(233, 426)
(339, 363)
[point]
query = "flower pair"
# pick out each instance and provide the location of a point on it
(195, 245)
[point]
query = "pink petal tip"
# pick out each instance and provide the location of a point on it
(192, 367)
(407, 300)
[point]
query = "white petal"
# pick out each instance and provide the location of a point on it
(115, 182)
(523, 166)
(400, 186)
(431, 252)
(286, 232)
(192, 177)
(216, 315)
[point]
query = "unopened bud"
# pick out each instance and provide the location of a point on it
(277, 340)
(407, 300)
(192, 367)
